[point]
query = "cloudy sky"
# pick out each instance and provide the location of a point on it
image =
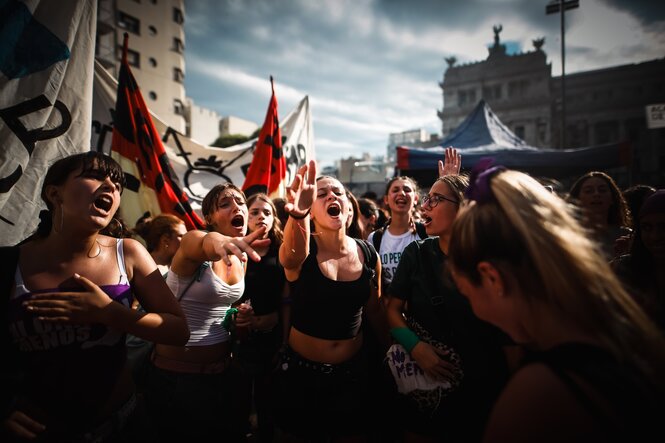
(372, 67)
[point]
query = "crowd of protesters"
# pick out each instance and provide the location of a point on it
(488, 308)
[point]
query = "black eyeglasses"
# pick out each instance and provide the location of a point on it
(435, 199)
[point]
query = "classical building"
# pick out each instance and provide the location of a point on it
(602, 106)
(517, 88)
(156, 51)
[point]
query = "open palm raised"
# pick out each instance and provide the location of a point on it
(300, 195)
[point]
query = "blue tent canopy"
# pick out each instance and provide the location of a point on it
(482, 135)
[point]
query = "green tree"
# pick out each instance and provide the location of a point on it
(230, 140)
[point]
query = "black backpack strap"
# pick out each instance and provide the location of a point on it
(376, 238)
(421, 231)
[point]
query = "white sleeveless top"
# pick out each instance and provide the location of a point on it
(205, 304)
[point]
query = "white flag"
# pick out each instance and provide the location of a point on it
(46, 77)
(201, 167)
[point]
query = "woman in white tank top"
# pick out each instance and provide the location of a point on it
(189, 388)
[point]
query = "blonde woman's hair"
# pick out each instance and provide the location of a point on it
(530, 233)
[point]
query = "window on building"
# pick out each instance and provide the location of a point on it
(153, 62)
(152, 30)
(177, 16)
(518, 88)
(471, 96)
(129, 23)
(178, 45)
(461, 98)
(519, 131)
(133, 57)
(178, 107)
(497, 91)
(492, 92)
(152, 95)
(178, 75)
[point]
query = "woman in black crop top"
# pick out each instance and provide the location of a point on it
(525, 263)
(322, 379)
(68, 310)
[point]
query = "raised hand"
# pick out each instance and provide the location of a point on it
(88, 305)
(453, 163)
(300, 195)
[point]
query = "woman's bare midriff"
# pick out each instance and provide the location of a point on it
(322, 350)
(195, 354)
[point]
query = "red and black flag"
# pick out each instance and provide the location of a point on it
(151, 182)
(267, 172)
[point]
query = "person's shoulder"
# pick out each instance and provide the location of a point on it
(538, 403)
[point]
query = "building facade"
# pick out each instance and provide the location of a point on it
(602, 106)
(517, 88)
(236, 126)
(156, 51)
(202, 123)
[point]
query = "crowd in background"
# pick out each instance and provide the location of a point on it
(489, 307)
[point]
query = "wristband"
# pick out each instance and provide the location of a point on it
(300, 217)
(405, 337)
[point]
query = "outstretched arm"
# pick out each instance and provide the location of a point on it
(295, 248)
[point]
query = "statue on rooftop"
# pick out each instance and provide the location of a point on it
(451, 61)
(538, 43)
(497, 30)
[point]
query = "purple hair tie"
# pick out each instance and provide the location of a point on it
(479, 182)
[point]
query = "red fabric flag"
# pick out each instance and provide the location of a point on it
(267, 171)
(151, 182)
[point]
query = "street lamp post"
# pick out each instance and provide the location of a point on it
(553, 7)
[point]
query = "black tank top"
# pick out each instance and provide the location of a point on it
(637, 405)
(325, 308)
(264, 282)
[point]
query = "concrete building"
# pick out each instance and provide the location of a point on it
(413, 137)
(602, 106)
(517, 88)
(202, 123)
(236, 126)
(361, 174)
(607, 105)
(156, 51)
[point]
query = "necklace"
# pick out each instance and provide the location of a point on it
(99, 250)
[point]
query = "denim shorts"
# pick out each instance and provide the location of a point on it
(318, 400)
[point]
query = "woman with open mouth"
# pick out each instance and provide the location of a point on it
(189, 390)
(431, 321)
(321, 384)
(68, 307)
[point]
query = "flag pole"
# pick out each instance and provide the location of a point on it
(125, 44)
(272, 85)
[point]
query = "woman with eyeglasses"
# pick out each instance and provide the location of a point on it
(439, 336)
(190, 389)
